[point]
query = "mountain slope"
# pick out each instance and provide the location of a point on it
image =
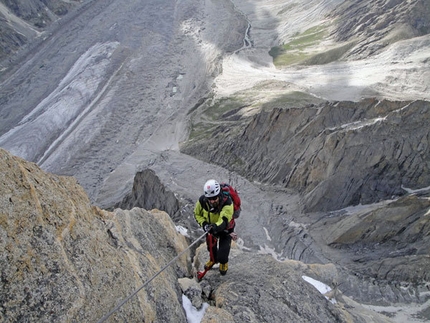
(70, 261)
(321, 106)
(311, 149)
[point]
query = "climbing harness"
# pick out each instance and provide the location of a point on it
(104, 318)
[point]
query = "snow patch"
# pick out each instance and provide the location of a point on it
(182, 230)
(241, 244)
(267, 234)
(193, 314)
(419, 190)
(321, 287)
(270, 251)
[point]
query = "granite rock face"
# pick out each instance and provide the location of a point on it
(258, 288)
(64, 260)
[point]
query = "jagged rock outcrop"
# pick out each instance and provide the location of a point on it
(335, 154)
(258, 288)
(64, 260)
(385, 246)
(373, 25)
(149, 193)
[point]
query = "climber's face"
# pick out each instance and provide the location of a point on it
(214, 201)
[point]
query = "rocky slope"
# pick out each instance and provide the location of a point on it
(274, 291)
(64, 260)
(322, 108)
(22, 21)
(111, 84)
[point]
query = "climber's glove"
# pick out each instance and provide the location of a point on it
(209, 228)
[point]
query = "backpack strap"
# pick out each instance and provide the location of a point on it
(204, 202)
(224, 200)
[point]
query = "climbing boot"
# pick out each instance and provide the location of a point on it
(223, 268)
(209, 265)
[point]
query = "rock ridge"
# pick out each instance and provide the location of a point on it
(66, 260)
(310, 150)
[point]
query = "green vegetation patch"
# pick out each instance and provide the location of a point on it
(329, 56)
(294, 99)
(201, 130)
(222, 106)
(311, 36)
(294, 51)
(220, 118)
(209, 115)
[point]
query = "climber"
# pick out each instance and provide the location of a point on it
(213, 212)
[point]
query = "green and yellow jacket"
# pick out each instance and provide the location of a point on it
(221, 216)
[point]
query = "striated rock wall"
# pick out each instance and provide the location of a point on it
(373, 25)
(64, 260)
(335, 154)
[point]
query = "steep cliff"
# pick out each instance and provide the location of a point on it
(64, 260)
(336, 154)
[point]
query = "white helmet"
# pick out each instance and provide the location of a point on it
(211, 188)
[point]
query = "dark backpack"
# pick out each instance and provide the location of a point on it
(229, 190)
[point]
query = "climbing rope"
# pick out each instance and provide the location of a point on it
(104, 318)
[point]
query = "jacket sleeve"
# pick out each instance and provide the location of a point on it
(225, 217)
(199, 214)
